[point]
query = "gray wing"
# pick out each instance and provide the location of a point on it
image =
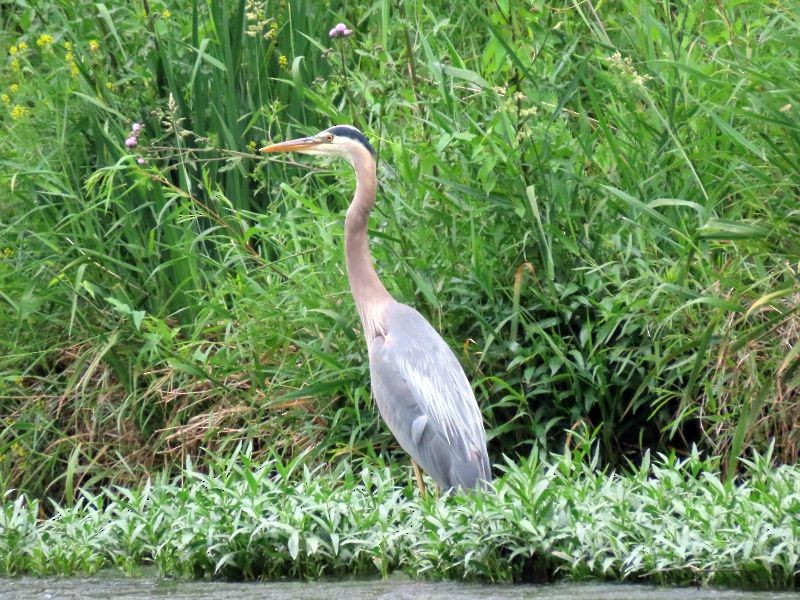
(425, 398)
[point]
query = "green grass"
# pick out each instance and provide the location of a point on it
(597, 208)
(669, 521)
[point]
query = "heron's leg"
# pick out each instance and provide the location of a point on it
(418, 475)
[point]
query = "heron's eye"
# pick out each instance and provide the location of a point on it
(329, 137)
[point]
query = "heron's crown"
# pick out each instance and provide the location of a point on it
(351, 132)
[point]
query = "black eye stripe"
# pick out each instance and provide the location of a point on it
(353, 134)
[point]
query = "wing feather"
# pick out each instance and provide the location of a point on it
(419, 384)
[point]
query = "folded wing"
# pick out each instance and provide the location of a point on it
(425, 398)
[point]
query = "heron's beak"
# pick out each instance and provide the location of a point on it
(298, 145)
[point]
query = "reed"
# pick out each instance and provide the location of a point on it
(596, 208)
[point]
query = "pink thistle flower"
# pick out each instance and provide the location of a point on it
(136, 128)
(340, 30)
(131, 141)
(141, 161)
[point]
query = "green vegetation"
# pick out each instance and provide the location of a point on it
(669, 522)
(596, 205)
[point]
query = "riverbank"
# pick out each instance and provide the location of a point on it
(596, 208)
(668, 522)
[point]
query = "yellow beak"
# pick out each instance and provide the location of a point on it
(297, 145)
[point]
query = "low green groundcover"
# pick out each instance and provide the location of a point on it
(667, 521)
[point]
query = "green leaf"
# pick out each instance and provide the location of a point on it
(294, 545)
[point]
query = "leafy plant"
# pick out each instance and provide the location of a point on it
(669, 520)
(595, 206)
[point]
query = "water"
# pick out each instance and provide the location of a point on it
(396, 588)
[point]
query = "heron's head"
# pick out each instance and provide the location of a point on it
(344, 141)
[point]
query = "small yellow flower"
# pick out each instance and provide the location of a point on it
(68, 46)
(45, 41)
(166, 14)
(5, 98)
(94, 45)
(73, 69)
(14, 87)
(19, 112)
(273, 31)
(283, 61)
(8, 252)
(18, 450)
(23, 46)
(69, 56)
(109, 86)
(15, 66)
(13, 50)
(251, 145)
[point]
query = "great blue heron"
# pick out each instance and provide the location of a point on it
(419, 386)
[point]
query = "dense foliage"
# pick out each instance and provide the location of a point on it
(598, 209)
(668, 522)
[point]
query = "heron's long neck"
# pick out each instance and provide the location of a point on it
(368, 291)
